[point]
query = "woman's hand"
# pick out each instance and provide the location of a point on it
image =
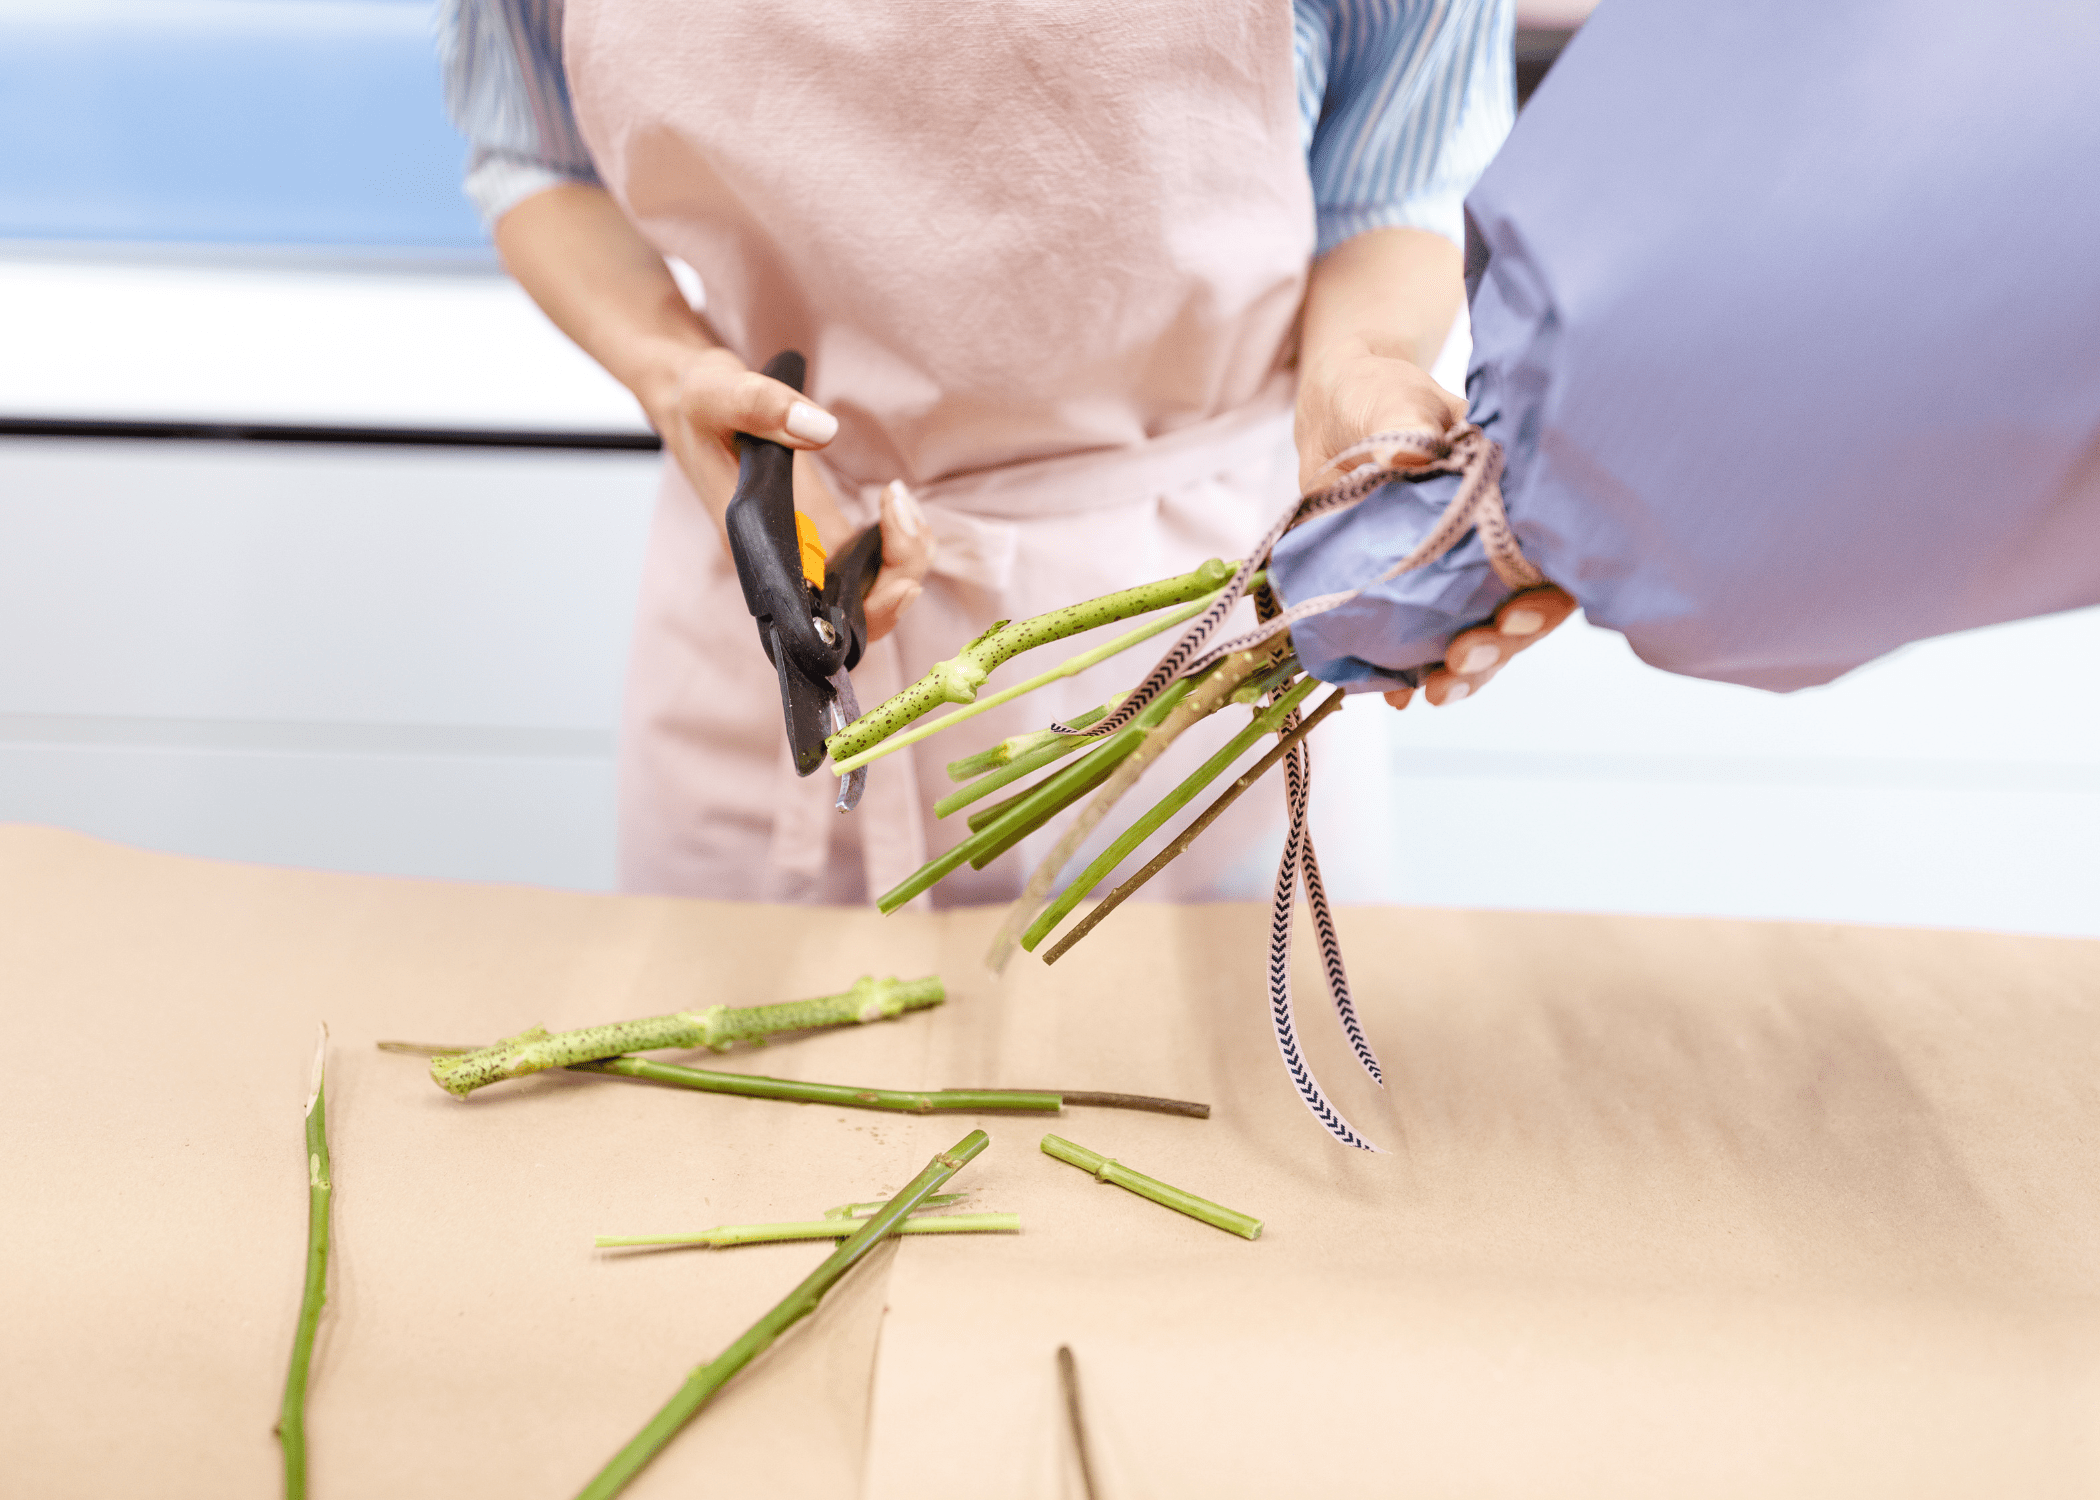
(1474, 656)
(705, 400)
(1349, 392)
(572, 248)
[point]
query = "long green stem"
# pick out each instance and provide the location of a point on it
(932, 1101)
(1208, 696)
(1052, 747)
(320, 1190)
(1071, 666)
(1107, 1169)
(816, 1229)
(957, 679)
(1266, 722)
(717, 1027)
(1181, 841)
(1011, 749)
(701, 1385)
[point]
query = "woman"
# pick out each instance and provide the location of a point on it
(1075, 273)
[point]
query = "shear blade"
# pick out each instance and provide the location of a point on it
(841, 709)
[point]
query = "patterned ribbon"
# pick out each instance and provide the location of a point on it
(1477, 459)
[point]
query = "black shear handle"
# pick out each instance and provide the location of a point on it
(761, 527)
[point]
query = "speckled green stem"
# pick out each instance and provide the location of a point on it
(957, 679)
(701, 1385)
(902, 1101)
(816, 1229)
(717, 1027)
(320, 1193)
(1107, 1169)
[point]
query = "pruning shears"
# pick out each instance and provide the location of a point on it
(810, 609)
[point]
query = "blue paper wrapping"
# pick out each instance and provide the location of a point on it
(1791, 333)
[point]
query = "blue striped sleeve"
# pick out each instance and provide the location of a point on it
(505, 90)
(1402, 105)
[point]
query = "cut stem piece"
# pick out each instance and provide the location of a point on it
(1194, 831)
(862, 1210)
(1107, 1169)
(1265, 722)
(816, 1229)
(751, 1086)
(320, 1192)
(717, 1027)
(701, 1386)
(957, 679)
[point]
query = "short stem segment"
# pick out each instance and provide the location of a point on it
(320, 1191)
(701, 1386)
(717, 1027)
(1106, 1169)
(816, 1229)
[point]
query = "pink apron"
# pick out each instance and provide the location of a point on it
(1046, 261)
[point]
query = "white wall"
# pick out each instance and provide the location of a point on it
(408, 660)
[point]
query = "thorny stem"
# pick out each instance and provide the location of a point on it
(1071, 666)
(753, 1087)
(1265, 722)
(717, 1027)
(1194, 831)
(291, 1420)
(701, 1385)
(1209, 695)
(957, 679)
(1107, 1169)
(816, 1229)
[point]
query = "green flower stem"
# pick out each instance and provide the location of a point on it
(701, 1385)
(320, 1190)
(1213, 692)
(1265, 722)
(1029, 810)
(1106, 1169)
(717, 1027)
(957, 679)
(1115, 898)
(1071, 666)
(816, 1229)
(1052, 747)
(1007, 751)
(753, 1087)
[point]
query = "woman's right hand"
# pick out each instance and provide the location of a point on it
(708, 397)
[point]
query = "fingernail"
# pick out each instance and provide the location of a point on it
(1521, 622)
(905, 507)
(1479, 658)
(1457, 691)
(809, 424)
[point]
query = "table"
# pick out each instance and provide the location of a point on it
(1668, 1208)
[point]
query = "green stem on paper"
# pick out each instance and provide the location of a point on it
(701, 1386)
(1210, 694)
(320, 1190)
(1107, 1169)
(932, 1101)
(816, 1229)
(1265, 722)
(717, 1027)
(1071, 666)
(957, 679)
(1115, 898)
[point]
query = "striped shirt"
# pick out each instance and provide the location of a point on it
(1401, 103)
